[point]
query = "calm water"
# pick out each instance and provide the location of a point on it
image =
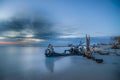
(29, 63)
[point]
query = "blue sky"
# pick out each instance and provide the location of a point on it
(71, 18)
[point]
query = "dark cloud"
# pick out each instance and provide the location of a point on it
(37, 25)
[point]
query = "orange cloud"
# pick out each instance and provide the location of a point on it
(11, 42)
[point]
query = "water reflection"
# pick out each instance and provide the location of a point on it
(50, 63)
(29, 63)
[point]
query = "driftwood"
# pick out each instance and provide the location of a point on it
(54, 54)
(115, 46)
(88, 52)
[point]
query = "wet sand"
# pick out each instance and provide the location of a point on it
(29, 63)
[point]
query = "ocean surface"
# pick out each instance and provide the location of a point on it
(29, 63)
(67, 41)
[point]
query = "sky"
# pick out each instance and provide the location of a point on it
(59, 18)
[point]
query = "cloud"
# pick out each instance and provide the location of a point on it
(29, 24)
(21, 21)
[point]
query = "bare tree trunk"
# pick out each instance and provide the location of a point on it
(88, 51)
(87, 43)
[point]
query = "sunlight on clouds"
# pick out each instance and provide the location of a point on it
(32, 40)
(16, 34)
(29, 35)
(72, 35)
(2, 37)
(11, 33)
(69, 36)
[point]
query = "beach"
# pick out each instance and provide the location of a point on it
(30, 63)
(59, 40)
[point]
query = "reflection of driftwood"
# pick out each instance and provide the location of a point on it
(101, 51)
(49, 63)
(94, 59)
(105, 52)
(114, 52)
(117, 54)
